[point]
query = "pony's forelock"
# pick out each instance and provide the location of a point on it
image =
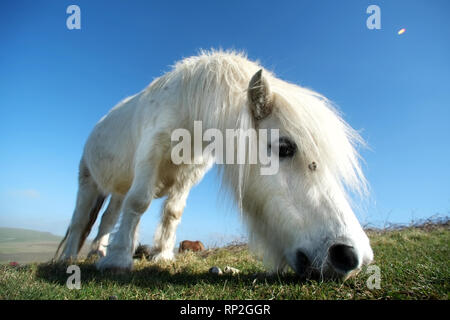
(322, 135)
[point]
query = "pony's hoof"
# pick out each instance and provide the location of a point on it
(96, 253)
(67, 259)
(163, 256)
(115, 263)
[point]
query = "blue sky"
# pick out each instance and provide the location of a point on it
(55, 84)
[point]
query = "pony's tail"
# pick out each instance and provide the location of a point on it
(92, 217)
(87, 229)
(63, 241)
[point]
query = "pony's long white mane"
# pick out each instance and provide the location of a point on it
(214, 90)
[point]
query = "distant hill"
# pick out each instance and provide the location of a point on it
(25, 235)
(23, 245)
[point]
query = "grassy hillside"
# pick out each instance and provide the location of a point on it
(25, 235)
(23, 245)
(414, 264)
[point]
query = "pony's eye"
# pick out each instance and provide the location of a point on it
(287, 148)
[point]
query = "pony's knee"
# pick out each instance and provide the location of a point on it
(137, 203)
(84, 175)
(172, 214)
(173, 209)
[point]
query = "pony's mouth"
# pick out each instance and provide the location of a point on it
(325, 274)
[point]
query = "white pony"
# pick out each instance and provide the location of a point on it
(299, 217)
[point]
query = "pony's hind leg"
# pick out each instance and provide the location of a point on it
(109, 219)
(164, 239)
(89, 202)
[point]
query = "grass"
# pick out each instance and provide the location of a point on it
(414, 264)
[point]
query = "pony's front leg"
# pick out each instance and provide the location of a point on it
(119, 256)
(164, 240)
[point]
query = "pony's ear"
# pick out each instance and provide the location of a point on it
(259, 96)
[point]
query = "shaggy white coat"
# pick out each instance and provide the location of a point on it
(127, 156)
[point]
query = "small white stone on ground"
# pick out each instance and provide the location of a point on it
(231, 270)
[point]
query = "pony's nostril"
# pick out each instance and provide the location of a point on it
(343, 257)
(301, 262)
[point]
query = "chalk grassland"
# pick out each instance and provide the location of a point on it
(414, 264)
